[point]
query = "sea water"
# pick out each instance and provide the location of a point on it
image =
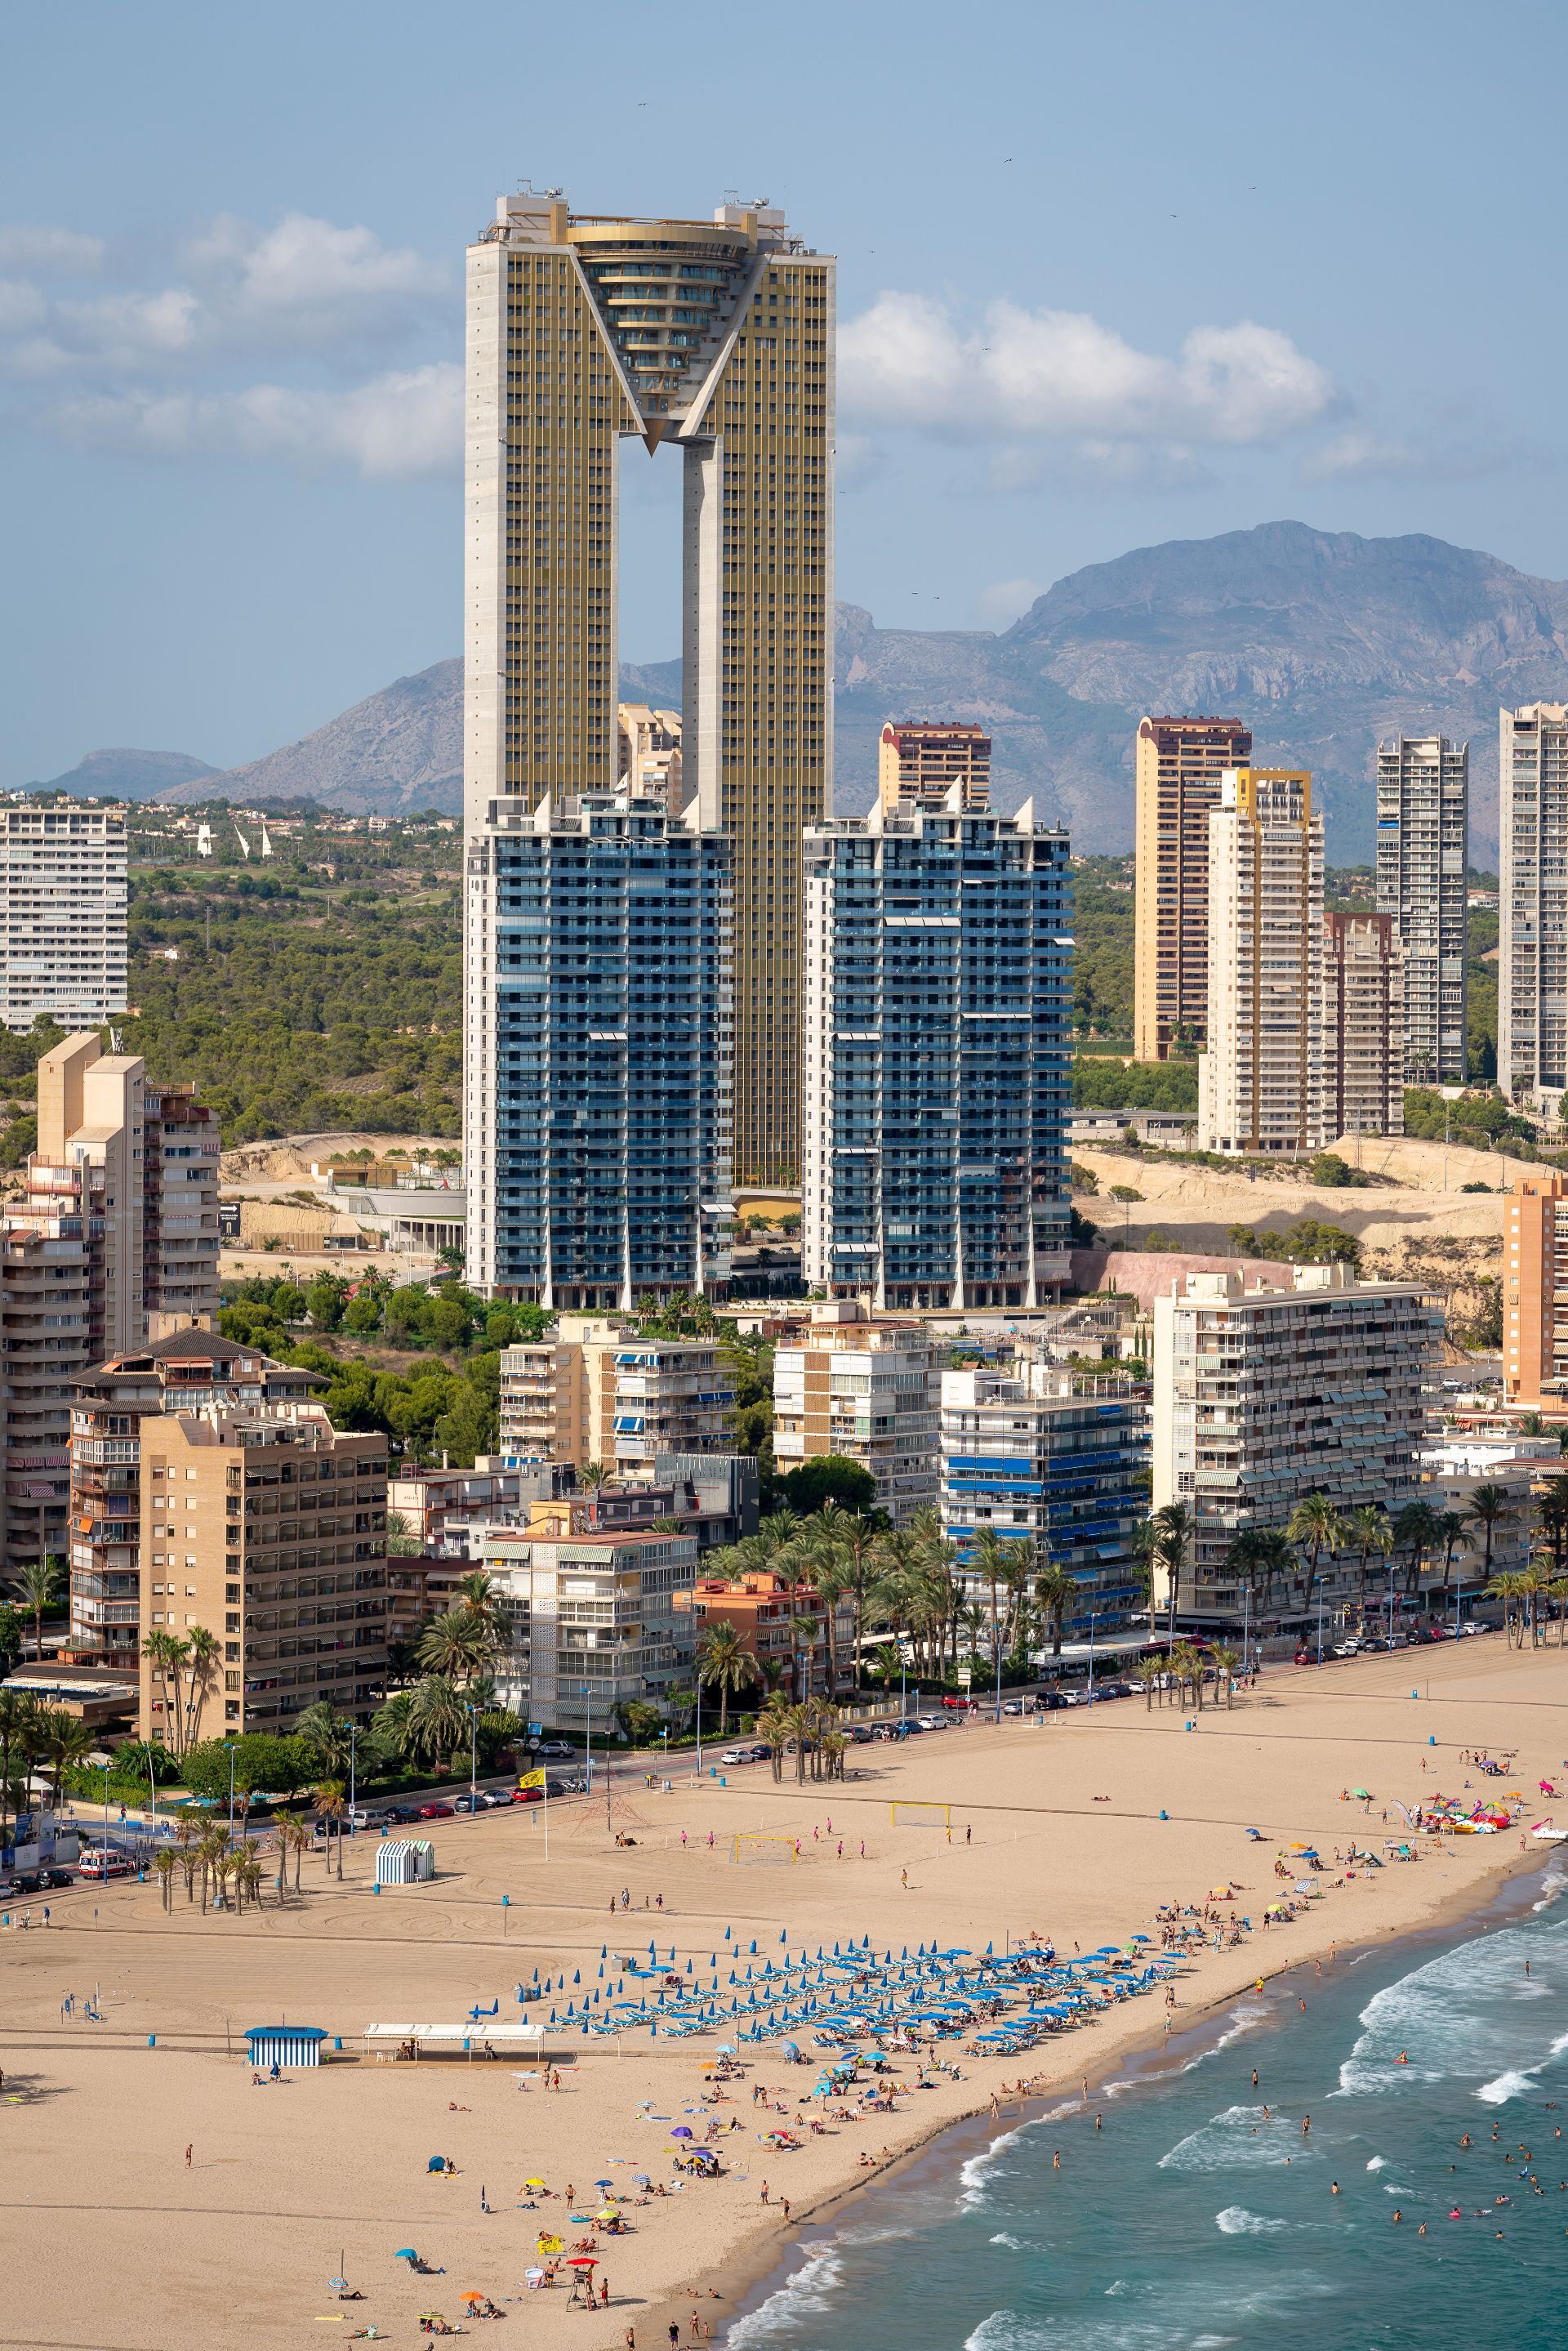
(1200, 2216)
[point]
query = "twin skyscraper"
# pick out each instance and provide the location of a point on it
(635, 976)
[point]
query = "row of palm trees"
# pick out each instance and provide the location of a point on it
(32, 1733)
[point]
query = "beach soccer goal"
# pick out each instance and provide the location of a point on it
(757, 1846)
(943, 1811)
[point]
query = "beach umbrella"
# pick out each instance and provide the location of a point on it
(471, 2296)
(604, 2183)
(405, 2253)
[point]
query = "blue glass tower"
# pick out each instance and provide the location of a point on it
(935, 1057)
(601, 926)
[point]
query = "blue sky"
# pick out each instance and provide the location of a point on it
(1109, 274)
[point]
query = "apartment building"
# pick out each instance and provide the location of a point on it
(191, 1370)
(1260, 1080)
(1532, 903)
(597, 1621)
(783, 1630)
(180, 1146)
(1364, 1059)
(1454, 1471)
(1536, 1295)
(1423, 859)
(599, 1391)
(1178, 763)
(922, 762)
(865, 1386)
(267, 1529)
(45, 1294)
(935, 1059)
(89, 1164)
(648, 754)
(599, 940)
(712, 339)
(1262, 1396)
(62, 913)
(1056, 1464)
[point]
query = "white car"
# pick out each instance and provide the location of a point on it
(754, 1753)
(932, 1722)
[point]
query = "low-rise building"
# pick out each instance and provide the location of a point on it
(268, 1532)
(1054, 1463)
(1262, 1396)
(783, 1630)
(865, 1386)
(1458, 1468)
(596, 1623)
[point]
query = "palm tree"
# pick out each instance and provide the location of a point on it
(1315, 1524)
(294, 1836)
(1416, 1530)
(1225, 1662)
(773, 1726)
(17, 1727)
(330, 1805)
(888, 1664)
(1510, 1588)
(438, 1719)
(165, 1865)
(455, 1646)
(401, 1540)
(1148, 1671)
(201, 1662)
(989, 1558)
(329, 1735)
(1056, 1590)
(68, 1743)
(797, 1726)
(163, 1652)
(478, 1597)
(722, 1663)
(1367, 1528)
(1490, 1507)
(1450, 1534)
(596, 1477)
(1146, 1558)
(1558, 1591)
(187, 1837)
(1175, 1524)
(38, 1583)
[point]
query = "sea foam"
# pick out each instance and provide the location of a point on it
(1237, 2222)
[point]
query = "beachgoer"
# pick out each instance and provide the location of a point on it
(188, 2158)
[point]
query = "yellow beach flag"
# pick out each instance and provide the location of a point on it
(532, 1780)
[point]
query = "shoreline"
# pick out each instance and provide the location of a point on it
(745, 2283)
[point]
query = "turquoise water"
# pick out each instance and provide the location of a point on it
(1190, 2223)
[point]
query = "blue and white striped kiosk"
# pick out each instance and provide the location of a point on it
(284, 2044)
(404, 1861)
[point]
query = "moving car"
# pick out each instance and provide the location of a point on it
(754, 1750)
(932, 1722)
(435, 1812)
(559, 1749)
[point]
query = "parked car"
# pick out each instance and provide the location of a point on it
(20, 1882)
(754, 1751)
(564, 1784)
(397, 1815)
(1050, 1701)
(559, 1749)
(56, 1877)
(1013, 1706)
(527, 1796)
(1114, 1689)
(435, 1812)
(961, 1704)
(858, 1734)
(467, 1805)
(489, 1798)
(932, 1722)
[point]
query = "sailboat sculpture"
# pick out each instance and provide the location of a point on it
(204, 841)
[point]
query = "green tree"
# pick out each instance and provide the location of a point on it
(39, 1582)
(722, 1663)
(829, 1478)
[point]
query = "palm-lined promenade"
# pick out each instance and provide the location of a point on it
(1075, 1828)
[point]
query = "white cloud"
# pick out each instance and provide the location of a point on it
(61, 250)
(1003, 602)
(1061, 374)
(403, 422)
(307, 278)
(1364, 455)
(22, 305)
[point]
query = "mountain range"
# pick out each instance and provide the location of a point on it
(1323, 640)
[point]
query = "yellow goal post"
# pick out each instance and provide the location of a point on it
(765, 1845)
(906, 1804)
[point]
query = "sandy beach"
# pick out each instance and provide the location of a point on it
(116, 2244)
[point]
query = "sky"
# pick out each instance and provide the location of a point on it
(1108, 275)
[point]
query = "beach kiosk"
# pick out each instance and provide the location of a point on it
(404, 1861)
(284, 2044)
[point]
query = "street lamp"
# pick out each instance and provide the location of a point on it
(587, 1698)
(996, 1645)
(1091, 1656)
(473, 1713)
(1320, 1620)
(353, 1734)
(1391, 1606)
(230, 1745)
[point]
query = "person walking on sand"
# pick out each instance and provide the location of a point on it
(188, 2158)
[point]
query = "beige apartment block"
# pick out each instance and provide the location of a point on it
(90, 1162)
(600, 1391)
(1180, 762)
(181, 1144)
(1536, 1295)
(44, 1297)
(1362, 1024)
(1532, 903)
(867, 1386)
(1260, 1081)
(711, 339)
(921, 762)
(648, 758)
(267, 1529)
(595, 1622)
(191, 1370)
(1264, 1395)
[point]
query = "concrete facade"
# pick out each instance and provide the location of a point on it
(1423, 885)
(1178, 764)
(62, 913)
(1260, 1080)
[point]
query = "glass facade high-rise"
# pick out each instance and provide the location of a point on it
(934, 1056)
(716, 338)
(1423, 854)
(1532, 903)
(610, 1111)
